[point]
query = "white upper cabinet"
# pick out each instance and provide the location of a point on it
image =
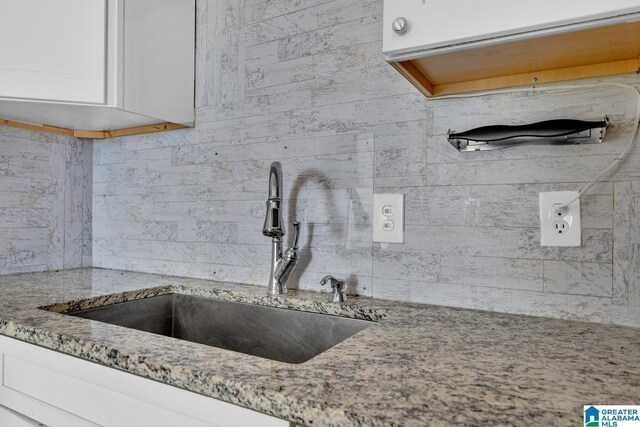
(92, 68)
(53, 50)
(454, 46)
(438, 23)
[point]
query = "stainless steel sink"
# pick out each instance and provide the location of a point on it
(273, 333)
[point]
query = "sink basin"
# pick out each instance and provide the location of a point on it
(273, 333)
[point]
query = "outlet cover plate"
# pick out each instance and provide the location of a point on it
(554, 236)
(388, 218)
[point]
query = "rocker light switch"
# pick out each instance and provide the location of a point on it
(388, 218)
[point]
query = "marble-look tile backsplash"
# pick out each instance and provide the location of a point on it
(305, 83)
(45, 220)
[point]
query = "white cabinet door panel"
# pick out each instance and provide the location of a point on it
(11, 418)
(63, 391)
(53, 50)
(436, 23)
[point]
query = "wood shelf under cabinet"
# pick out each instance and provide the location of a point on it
(595, 52)
(93, 134)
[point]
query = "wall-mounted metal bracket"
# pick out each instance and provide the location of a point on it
(561, 131)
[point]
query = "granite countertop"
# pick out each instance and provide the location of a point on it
(417, 365)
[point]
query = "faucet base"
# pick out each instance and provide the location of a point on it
(277, 291)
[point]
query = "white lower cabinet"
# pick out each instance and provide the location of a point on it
(11, 418)
(43, 387)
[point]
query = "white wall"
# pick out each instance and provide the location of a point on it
(42, 211)
(305, 83)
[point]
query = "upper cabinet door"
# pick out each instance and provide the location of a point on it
(439, 23)
(53, 50)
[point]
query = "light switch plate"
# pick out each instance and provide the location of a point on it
(560, 228)
(388, 218)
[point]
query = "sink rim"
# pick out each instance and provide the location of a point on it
(220, 324)
(354, 309)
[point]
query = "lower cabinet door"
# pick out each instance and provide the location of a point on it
(11, 418)
(59, 390)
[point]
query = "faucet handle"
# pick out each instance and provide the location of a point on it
(337, 288)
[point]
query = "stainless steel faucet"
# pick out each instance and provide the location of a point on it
(282, 264)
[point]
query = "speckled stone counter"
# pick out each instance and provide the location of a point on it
(418, 365)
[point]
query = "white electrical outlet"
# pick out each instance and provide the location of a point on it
(388, 218)
(560, 227)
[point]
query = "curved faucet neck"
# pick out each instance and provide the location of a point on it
(273, 219)
(275, 181)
